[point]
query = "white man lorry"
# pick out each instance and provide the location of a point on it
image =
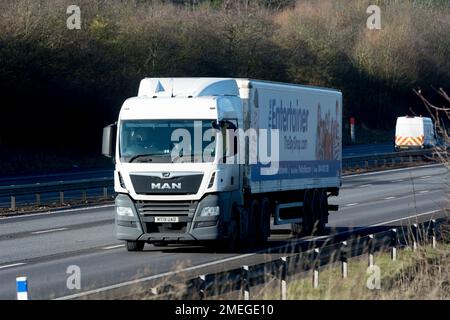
(214, 159)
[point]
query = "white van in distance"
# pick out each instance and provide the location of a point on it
(414, 133)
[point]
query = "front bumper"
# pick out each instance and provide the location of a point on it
(190, 228)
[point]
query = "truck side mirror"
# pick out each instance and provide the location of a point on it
(108, 140)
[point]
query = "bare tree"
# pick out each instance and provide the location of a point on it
(441, 116)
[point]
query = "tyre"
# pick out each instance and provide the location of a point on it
(253, 223)
(307, 222)
(135, 245)
(316, 212)
(323, 219)
(263, 222)
(232, 243)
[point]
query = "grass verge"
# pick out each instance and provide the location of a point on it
(415, 275)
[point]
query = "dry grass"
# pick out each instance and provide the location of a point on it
(415, 275)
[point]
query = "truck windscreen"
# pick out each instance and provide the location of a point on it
(167, 141)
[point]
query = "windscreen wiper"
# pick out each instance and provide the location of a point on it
(148, 155)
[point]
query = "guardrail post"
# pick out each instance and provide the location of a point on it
(371, 250)
(201, 286)
(154, 291)
(13, 203)
(22, 288)
(344, 260)
(432, 231)
(414, 228)
(61, 197)
(283, 288)
(375, 163)
(105, 192)
(384, 162)
(316, 268)
(366, 164)
(411, 159)
(38, 199)
(393, 162)
(245, 284)
(394, 244)
(83, 195)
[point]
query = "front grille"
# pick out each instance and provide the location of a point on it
(184, 210)
(147, 185)
(169, 208)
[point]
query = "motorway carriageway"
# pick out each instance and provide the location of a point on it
(42, 246)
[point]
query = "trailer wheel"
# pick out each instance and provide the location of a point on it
(315, 212)
(135, 245)
(263, 225)
(323, 212)
(253, 222)
(305, 227)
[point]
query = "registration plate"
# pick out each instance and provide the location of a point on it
(166, 219)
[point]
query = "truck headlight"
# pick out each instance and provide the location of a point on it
(124, 211)
(210, 212)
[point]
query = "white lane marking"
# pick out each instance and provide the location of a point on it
(389, 198)
(365, 185)
(56, 212)
(113, 247)
(12, 265)
(424, 191)
(343, 206)
(399, 180)
(49, 230)
(404, 218)
(393, 170)
(156, 276)
(351, 204)
(425, 177)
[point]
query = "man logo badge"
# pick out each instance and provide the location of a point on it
(166, 174)
(166, 186)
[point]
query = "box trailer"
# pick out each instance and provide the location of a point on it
(216, 159)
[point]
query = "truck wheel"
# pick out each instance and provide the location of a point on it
(135, 245)
(263, 225)
(308, 214)
(323, 216)
(316, 212)
(233, 242)
(253, 222)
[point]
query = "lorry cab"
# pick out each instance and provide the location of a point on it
(168, 168)
(412, 132)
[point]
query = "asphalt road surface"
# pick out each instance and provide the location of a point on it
(43, 246)
(368, 149)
